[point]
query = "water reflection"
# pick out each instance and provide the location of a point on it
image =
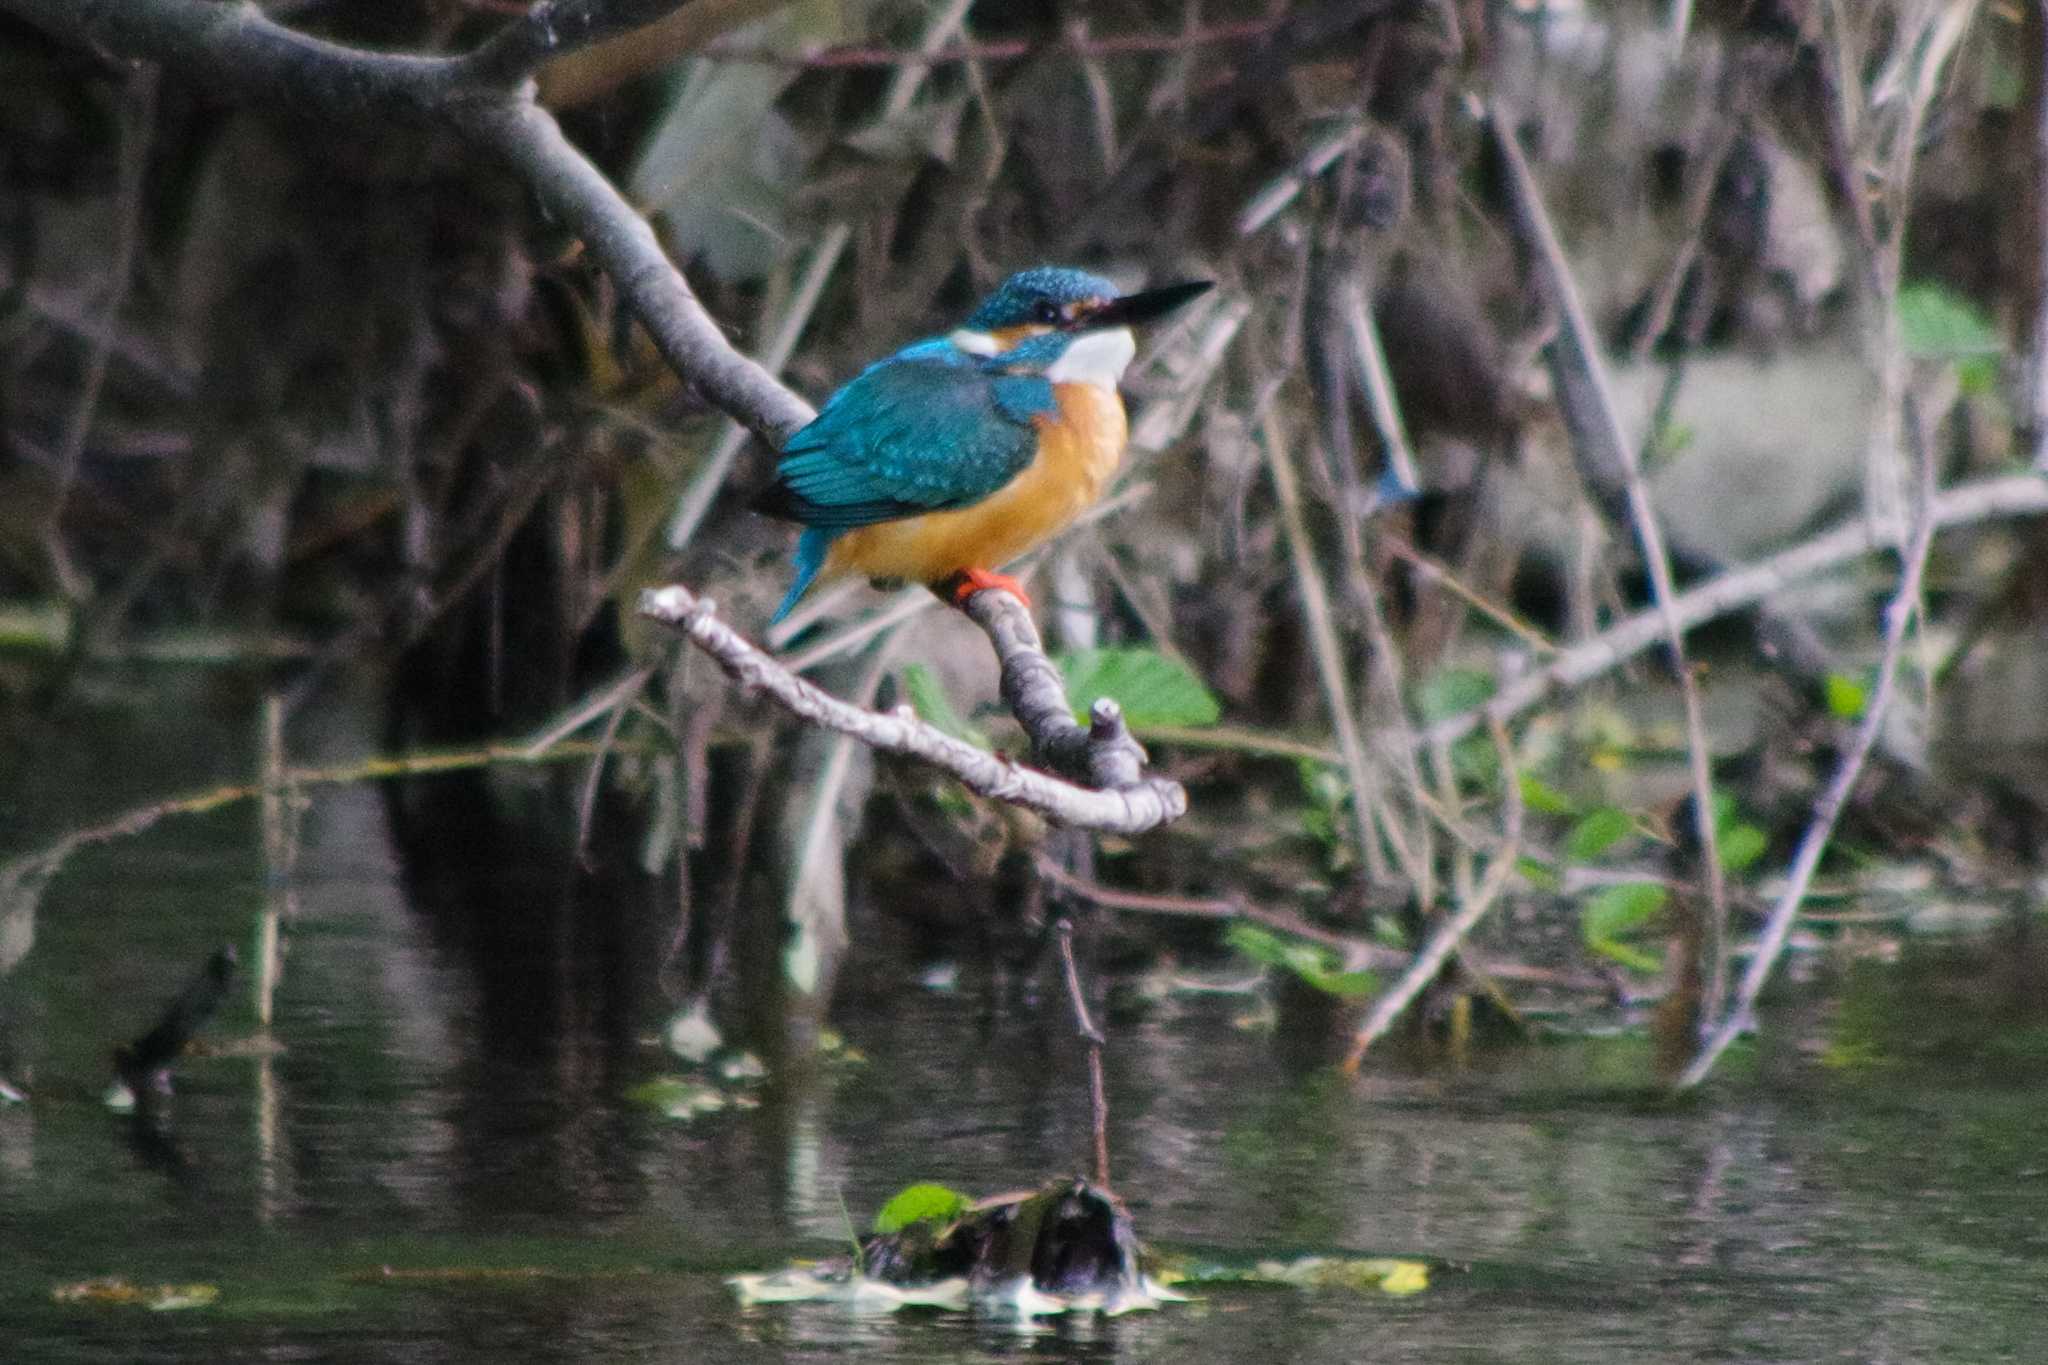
(440, 1166)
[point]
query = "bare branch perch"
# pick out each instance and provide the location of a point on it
(1126, 809)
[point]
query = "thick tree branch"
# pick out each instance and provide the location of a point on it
(235, 49)
(625, 248)
(1142, 804)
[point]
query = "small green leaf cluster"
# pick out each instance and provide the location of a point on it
(1152, 689)
(921, 1203)
(1315, 965)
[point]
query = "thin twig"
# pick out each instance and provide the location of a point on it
(1098, 1093)
(1388, 1006)
(1434, 571)
(137, 129)
(1740, 1014)
(1213, 907)
(1007, 50)
(2009, 496)
(1329, 656)
(1370, 357)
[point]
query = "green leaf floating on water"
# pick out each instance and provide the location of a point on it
(1151, 688)
(158, 1298)
(1360, 1273)
(921, 1203)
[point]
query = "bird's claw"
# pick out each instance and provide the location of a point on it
(967, 582)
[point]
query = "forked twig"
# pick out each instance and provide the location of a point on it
(1124, 800)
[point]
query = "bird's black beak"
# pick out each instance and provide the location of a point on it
(1143, 306)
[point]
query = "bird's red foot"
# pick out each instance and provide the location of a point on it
(964, 584)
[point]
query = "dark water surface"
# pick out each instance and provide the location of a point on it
(440, 1165)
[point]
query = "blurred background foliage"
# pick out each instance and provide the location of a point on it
(274, 394)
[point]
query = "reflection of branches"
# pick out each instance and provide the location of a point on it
(486, 96)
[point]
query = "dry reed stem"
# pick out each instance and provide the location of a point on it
(1827, 808)
(1594, 419)
(1387, 1006)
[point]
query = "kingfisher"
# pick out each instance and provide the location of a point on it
(945, 461)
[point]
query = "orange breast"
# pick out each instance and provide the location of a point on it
(1079, 447)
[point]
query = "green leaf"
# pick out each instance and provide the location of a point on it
(1633, 958)
(1847, 698)
(1315, 965)
(922, 1203)
(1977, 376)
(928, 698)
(1151, 688)
(1449, 691)
(1937, 323)
(1545, 799)
(1618, 911)
(1599, 831)
(1741, 845)
(1538, 874)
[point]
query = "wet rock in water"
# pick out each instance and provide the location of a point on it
(1067, 1246)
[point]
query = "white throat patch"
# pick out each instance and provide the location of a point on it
(973, 342)
(1096, 358)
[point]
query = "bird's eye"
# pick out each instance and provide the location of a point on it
(1045, 310)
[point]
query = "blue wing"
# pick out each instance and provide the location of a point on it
(929, 428)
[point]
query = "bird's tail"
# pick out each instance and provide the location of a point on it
(810, 557)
